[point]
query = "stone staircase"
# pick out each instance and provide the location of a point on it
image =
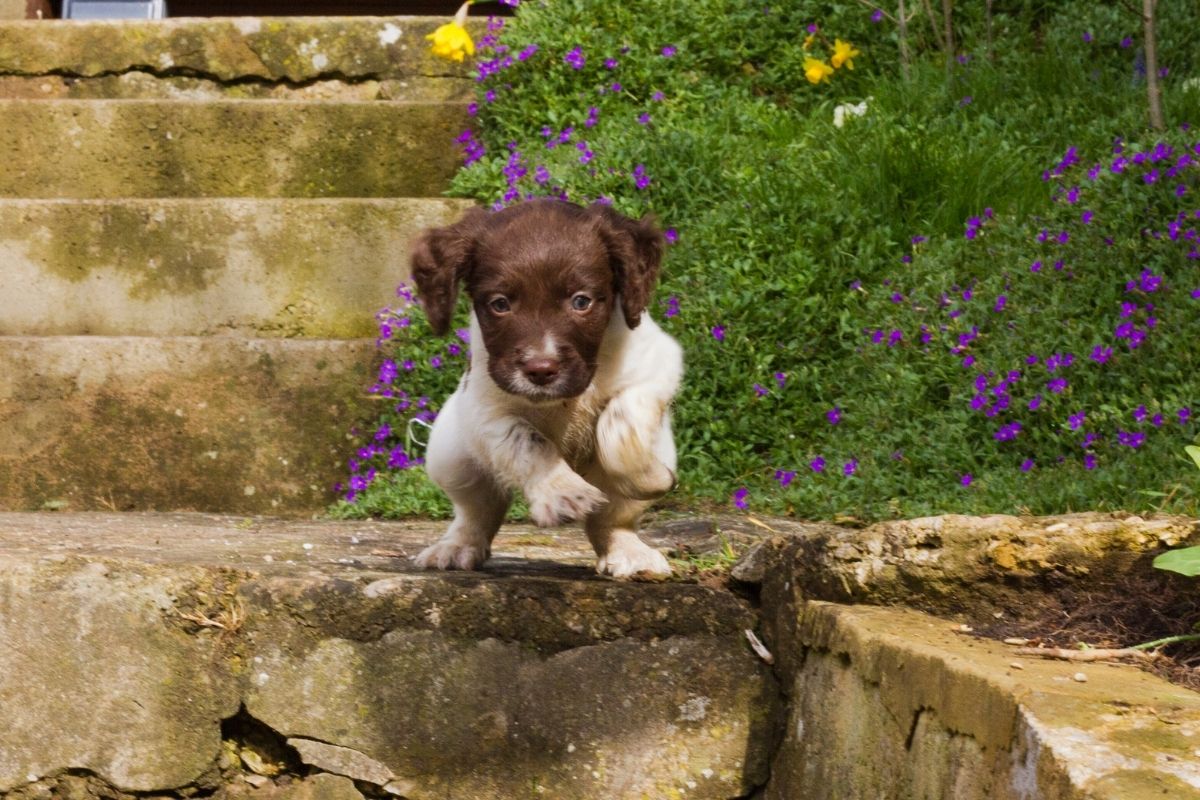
(198, 220)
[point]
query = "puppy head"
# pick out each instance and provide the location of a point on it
(544, 277)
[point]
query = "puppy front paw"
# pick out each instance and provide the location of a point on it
(561, 497)
(629, 557)
(452, 555)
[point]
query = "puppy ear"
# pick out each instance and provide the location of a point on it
(439, 259)
(635, 248)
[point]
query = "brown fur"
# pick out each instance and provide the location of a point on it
(538, 258)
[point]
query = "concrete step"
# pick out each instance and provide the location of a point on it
(252, 267)
(241, 425)
(231, 148)
(144, 85)
(160, 654)
(293, 50)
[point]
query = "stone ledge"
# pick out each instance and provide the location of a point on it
(248, 267)
(179, 423)
(924, 711)
(282, 49)
(227, 148)
(129, 639)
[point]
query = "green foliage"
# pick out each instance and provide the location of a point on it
(791, 234)
(1185, 561)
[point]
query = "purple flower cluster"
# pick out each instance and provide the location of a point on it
(954, 324)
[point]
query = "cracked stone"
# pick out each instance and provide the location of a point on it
(341, 761)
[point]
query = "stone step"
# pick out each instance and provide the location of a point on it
(252, 267)
(143, 85)
(161, 654)
(203, 423)
(282, 50)
(229, 148)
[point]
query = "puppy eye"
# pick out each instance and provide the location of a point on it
(500, 305)
(581, 302)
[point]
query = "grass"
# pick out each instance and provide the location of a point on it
(793, 234)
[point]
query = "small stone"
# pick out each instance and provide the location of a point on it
(257, 781)
(342, 761)
(1079, 677)
(1017, 665)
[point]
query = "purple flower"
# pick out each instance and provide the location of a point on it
(784, 477)
(1057, 386)
(1075, 421)
(575, 59)
(877, 15)
(1127, 42)
(817, 464)
(668, 51)
(739, 498)
(834, 415)
(640, 179)
(1089, 461)
(1008, 432)
(1139, 413)
(1132, 439)
(1027, 465)
(1035, 403)
(718, 332)
(671, 235)
(1184, 414)
(672, 306)
(761, 390)
(1101, 354)
(610, 63)
(850, 467)
(436, 362)
(643, 119)
(965, 479)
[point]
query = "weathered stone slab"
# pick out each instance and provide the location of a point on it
(178, 423)
(144, 85)
(296, 268)
(262, 148)
(893, 703)
(528, 678)
(956, 564)
(292, 49)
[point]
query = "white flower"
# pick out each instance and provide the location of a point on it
(848, 110)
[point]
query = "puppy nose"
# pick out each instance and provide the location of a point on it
(541, 371)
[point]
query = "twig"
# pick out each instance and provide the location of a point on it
(1091, 654)
(759, 648)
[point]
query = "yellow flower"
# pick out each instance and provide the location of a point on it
(452, 41)
(816, 70)
(808, 41)
(843, 53)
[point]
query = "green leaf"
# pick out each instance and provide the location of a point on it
(1185, 561)
(1193, 451)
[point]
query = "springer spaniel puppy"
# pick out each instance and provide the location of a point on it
(568, 393)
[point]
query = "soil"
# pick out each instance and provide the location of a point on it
(1121, 612)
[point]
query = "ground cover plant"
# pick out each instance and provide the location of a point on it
(909, 278)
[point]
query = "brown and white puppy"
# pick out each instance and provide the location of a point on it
(568, 393)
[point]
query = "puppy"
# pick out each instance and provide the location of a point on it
(568, 393)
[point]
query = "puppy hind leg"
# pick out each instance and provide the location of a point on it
(612, 531)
